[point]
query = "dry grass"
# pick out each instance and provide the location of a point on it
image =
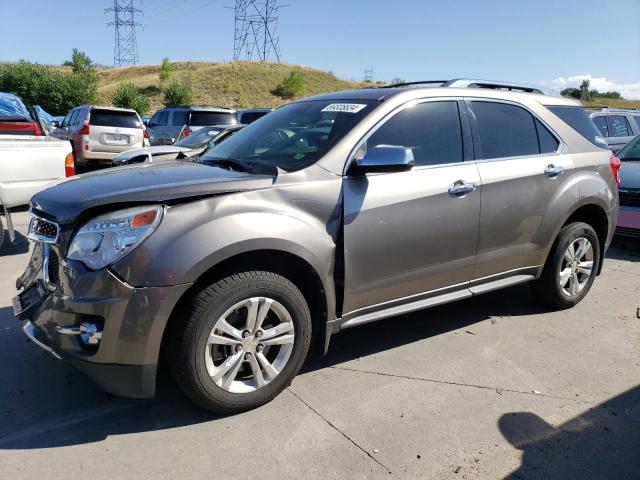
(611, 103)
(233, 85)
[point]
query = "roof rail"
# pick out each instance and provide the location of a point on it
(470, 83)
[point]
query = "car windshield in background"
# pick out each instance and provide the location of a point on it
(631, 152)
(114, 118)
(294, 136)
(199, 138)
(579, 120)
(202, 119)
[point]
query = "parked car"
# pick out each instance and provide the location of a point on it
(249, 116)
(617, 126)
(408, 198)
(629, 214)
(15, 117)
(97, 134)
(171, 124)
(27, 165)
(192, 146)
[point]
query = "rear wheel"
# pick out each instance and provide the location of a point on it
(244, 340)
(571, 267)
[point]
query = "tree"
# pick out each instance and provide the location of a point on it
(177, 94)
(129, 96)
(396, 80)
(571, 92)
(166, 71)
(585, 93)
(80, 62)
(291, 87)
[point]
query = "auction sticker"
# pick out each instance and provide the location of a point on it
(344, 107)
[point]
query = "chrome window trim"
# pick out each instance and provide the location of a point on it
(557, 152)
(392, 113)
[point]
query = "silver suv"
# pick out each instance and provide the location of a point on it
(172, 124)
(97, 134)
(328, 213)
(617, 126)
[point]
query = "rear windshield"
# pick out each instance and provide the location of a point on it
(203, 119)
(113, 118)
(250, 117)
(579, 120)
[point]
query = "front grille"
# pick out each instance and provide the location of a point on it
(629, 197)
(43, 230)
(53, 267)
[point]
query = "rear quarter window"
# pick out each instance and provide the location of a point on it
(112, 118)
(579, 120)
(203, 119)
(601, 123)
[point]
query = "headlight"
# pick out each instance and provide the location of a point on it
(107, 238)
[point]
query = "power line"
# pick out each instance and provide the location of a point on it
(125, 49)
(368, 74)
(182, 14)
(256, 29)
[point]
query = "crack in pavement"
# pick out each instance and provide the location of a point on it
(328, 422)
(459, 384)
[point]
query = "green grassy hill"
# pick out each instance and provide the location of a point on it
(234, 84)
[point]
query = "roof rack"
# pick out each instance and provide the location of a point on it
(470, 83)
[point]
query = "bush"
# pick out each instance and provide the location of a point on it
(291, 87)
(166, 71)
(177, 94)
(57, 92)
(129, 96)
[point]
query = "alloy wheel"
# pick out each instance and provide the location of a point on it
(576, 267)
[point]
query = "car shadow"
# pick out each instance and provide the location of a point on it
(624, 249)
(603, 443)
(18, 247)
(76, 412)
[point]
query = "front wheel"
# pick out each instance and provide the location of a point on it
(571, 267)
(245, 338)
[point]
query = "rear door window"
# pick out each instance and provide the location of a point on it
(203, 119)
(164, 119)
(179, 118)
(618, 126)
(577, 118)
(155, 120)
(601, 123)
(505, 130)
(431, 130)
(113, 118)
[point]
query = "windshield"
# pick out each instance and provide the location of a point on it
(294, 136)
(631, 151)
(198, 138)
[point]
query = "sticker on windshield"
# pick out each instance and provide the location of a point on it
(344, 107)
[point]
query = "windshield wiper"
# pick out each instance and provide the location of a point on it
(231, 163)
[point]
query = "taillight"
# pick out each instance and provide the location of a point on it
(185, 133)
(615, 164)
(85, 128)
(145, 133)
(69, 165)
(36, 130)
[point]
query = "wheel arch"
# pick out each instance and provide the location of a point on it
(595, 215)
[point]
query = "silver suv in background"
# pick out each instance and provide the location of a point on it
(171, 124)
(617, 126)
(328, 213)
(97, 134)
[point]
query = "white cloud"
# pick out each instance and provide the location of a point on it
(627, 90)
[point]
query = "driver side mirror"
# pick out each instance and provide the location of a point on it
(55, 123)
(386, 158)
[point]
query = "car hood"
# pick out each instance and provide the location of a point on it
(630, 174)
(157, 150)
(162, 181)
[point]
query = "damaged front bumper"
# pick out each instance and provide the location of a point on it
(123, 359)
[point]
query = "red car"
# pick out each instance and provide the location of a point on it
(15, 118)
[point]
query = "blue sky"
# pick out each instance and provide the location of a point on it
(554, 43)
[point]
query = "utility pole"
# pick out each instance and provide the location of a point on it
(256, 29)
(125, 50)
(368, 75)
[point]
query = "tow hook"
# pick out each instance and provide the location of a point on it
(88, 332)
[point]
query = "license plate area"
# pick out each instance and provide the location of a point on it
(27, 299)
(116, 139)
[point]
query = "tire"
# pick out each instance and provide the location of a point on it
(551, 288)
(196, 364)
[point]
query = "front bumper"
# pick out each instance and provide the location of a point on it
(132, 321)
(628, 222)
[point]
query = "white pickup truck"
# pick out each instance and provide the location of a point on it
(29, 164)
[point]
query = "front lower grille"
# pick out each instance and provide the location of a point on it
(629, 197)
(42, 230)
(53, 267)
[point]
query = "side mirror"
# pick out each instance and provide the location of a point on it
(55, 124)
(386, 158)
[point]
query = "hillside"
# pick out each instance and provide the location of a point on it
(234, 84)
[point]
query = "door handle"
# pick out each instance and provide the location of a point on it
(552, 171)
(461, 189)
